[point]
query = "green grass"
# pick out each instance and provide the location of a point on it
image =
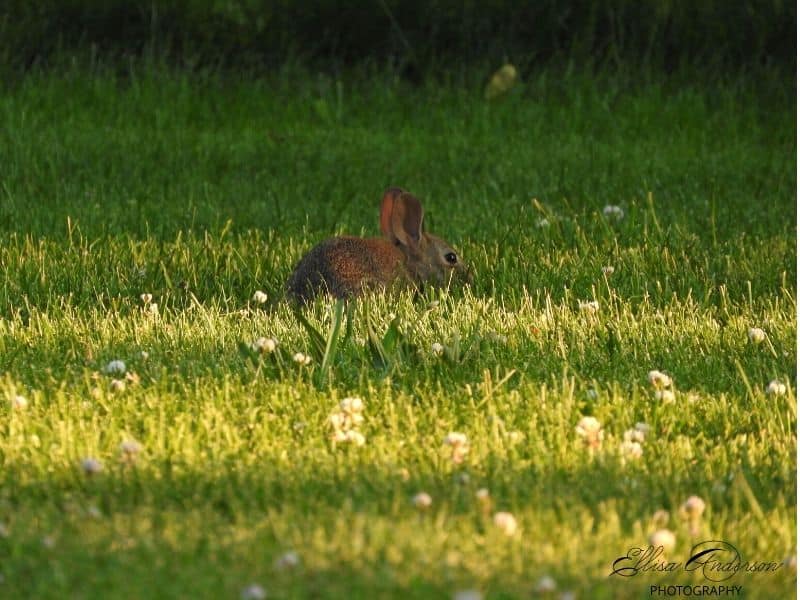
(201, 189)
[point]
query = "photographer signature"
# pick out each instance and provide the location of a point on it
(715, 559)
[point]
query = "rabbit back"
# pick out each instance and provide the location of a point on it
(344, 266)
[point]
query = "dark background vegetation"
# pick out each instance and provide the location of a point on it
(410, 35)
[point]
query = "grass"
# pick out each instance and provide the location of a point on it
(202, 188)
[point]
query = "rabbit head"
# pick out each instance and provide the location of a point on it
(429, 259)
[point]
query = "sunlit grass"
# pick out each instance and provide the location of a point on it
(211, 458)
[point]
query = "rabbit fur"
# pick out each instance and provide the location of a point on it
(406, 255)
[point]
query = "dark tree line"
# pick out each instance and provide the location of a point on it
(412, 34)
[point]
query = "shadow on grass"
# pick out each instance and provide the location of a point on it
(167, 530)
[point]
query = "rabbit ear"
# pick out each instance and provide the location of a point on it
(387, 204)
(407, 217)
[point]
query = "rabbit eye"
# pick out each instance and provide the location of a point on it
(451, 258)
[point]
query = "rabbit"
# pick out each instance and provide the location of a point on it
(406, 255)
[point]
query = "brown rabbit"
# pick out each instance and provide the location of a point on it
(344, 266)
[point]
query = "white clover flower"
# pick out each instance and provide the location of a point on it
(459, 444)
(633, 435)
(776, 388)
(590, 429)
(756, 335)
(286, 561)
(19, 402)
(115, 367)
(351, 405)
(117, 385)
(260, 297)
(264, 345)
(422, 501)
(348, 436)
(590, 307)
(542, 223)
(339, 436)
(666, 396)
(337, 420)
(587, 425)
(659, 380)
(608, 270)
(253, 592)
(545, 585)
(91, 466)
(146, 298)
(694, 507)
(630, 449)
(302, 359)
(467, 595)
(454, 438)
(130, 448)
(515, 436)
(437, 349)
(612, 211)
(664, 538)
(346, 420)
(355, 437)
(144, 354)
(506, 522)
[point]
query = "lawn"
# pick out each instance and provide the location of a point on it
(209, 468)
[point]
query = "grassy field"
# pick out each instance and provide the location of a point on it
(209, 470)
